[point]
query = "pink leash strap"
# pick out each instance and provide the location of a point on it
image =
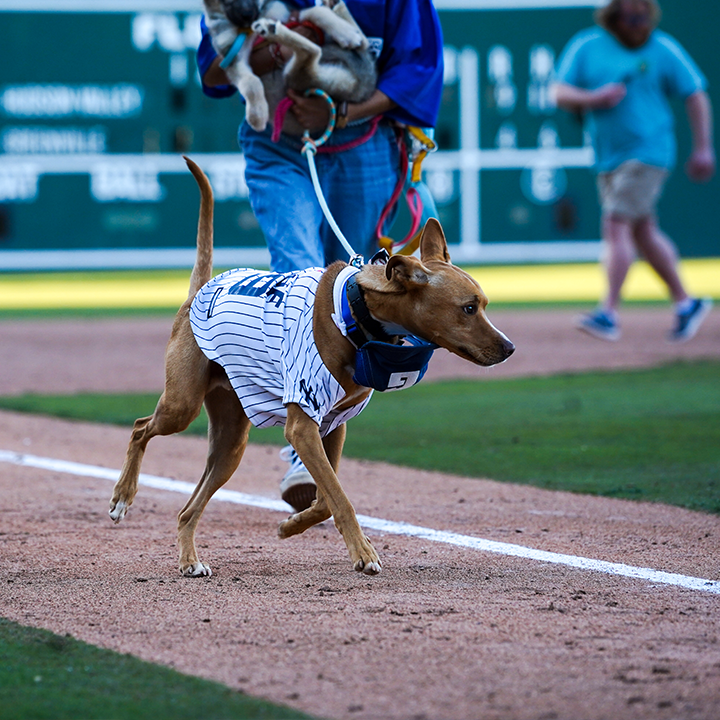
(353, 143)
(412, 197)
(280, 112)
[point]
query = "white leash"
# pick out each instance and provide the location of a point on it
(309, 150)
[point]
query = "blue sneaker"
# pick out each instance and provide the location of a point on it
(688, 323)
(600, 325)
(297, 488)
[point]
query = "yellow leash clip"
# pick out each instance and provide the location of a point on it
(409, 248)
(420, 146)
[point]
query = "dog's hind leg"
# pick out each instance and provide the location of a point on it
(186, 381)
(337, 24)
(240, 74)
(341, 10)
(319, 511)
(304, 51)
(227, 434)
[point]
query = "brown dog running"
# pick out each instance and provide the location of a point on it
(430, 298)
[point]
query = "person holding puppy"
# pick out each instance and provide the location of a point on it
(621, 75)
(358, 181)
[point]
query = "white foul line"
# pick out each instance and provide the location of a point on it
(384, 526)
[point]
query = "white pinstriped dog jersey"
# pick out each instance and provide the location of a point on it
(259, 327)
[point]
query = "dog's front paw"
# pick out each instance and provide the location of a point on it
(196, 569)
(372, 568)
(265, 28)
(368, 561)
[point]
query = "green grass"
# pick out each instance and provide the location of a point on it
(131, 312)
(79, 313)
(49, 676)
(644, 435)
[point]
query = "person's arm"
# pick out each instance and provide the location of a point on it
(377, 104)
(217, 85)
(215, 75)
(265, 59)
(701, 164)
(577, 99)
(312, 112)
(410, 65)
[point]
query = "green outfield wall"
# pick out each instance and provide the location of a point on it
(100, 98)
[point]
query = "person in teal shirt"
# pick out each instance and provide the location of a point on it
(621, 75)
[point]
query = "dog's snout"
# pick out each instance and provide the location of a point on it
(508, 348)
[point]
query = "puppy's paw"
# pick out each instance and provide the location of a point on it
(257, 111)
(196, 569)
(118, 510)
(349, 38)
(257, 117)
(265, 28)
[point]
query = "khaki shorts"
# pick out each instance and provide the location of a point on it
(631, 190)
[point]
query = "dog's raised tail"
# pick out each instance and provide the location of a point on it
(202, 270)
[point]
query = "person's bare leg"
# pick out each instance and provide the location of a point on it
(619, 256)
(657, 248)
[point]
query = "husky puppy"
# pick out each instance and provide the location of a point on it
(343, 67)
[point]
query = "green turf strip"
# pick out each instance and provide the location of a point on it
(48, 676)
(10, 315)
(644, 435)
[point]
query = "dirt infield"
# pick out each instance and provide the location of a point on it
(122, 355)
(443, 632)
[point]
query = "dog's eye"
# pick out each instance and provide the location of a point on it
(470, 309)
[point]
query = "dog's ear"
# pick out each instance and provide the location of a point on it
(406, 271)
(433, 245)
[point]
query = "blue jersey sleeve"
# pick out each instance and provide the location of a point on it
(205, 57)
(410, 65)
(569, 68)
(683, 76)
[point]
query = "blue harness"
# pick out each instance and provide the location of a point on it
(381, 364)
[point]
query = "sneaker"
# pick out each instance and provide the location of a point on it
(599, 324)
(297, 488)
(688, 322)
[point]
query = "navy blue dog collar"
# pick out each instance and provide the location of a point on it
(381, 364)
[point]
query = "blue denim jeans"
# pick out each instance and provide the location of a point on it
(357, 184)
